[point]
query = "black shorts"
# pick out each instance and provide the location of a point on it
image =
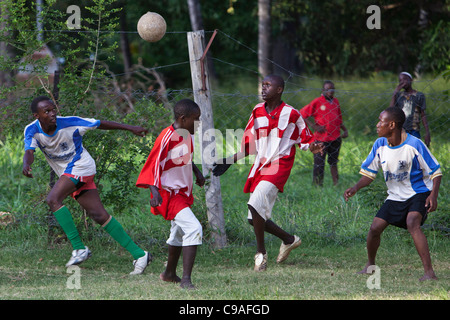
(395, 212)
(331, 148)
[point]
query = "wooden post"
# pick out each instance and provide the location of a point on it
(196, 44)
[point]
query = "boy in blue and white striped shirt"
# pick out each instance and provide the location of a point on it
(61, 141)
(412, 175)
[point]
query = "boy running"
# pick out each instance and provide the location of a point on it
(412, 176)
(168, 174)
(61, 141)
(272, 132)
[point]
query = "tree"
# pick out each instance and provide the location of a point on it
(264, 36)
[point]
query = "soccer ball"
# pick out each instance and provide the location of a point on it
(151, 27)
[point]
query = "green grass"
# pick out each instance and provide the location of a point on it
(311, 273)
(333, 231)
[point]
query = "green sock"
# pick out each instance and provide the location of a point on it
(115, 229)
(64, 218)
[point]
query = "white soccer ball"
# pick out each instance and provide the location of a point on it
(151, 27)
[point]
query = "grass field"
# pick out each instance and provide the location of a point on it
(32, 255)
(313, 273)
(324, 267)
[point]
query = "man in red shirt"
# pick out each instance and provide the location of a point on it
(327, 129)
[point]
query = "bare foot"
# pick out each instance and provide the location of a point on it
(364, 270)
(428, 276)
(187, 284)
(169, 278)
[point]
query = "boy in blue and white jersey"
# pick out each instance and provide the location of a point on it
(63, 149)
(412, 175)
(61, 141)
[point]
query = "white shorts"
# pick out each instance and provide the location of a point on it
(262, 199)
(185, 230)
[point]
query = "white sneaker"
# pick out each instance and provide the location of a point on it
(260, 262)
(78, 256)
(285, 249)
(141, 263)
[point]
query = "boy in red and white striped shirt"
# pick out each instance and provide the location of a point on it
(168, 174)
(272, 132)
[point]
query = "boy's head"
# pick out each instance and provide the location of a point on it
(186, 112)
(36, 101)
(405, 78)
(44, 110)
(390, 119)
(328, 89)
(272, 87)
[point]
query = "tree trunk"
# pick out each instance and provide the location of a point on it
(264, 31)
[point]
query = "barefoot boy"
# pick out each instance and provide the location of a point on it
(60, 139)
(412, 176)
(272, 133)
(168, 174)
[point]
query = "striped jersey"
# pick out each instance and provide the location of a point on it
(272, 138)
(408, 168)
(169, 166)
(64, 149)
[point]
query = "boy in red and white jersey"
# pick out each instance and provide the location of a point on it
(168, 174)
(272, 132)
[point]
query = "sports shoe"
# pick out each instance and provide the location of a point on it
(78, 256)
(260, 262)
(141, 263)
(285, 249)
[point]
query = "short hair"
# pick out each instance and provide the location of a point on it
(35, 102)
(185, 107)
(327, 82)
(277, 79)
(397, 115)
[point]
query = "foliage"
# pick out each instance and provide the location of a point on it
(80, 88)
(332, 37)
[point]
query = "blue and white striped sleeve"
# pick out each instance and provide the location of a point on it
(372, 164)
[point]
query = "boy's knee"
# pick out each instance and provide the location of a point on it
(100, 216)
(375, 230)
(53, 203)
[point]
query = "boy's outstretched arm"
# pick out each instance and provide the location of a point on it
(220, 168)
(111, 125)
(363, 182)
(28, 160)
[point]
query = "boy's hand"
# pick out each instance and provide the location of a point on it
(219, 169)
(316, 147)
(27, 171)
(139, 131)
(431, 203)
(350, 192)
(200, 179)
(156, 199)
(400, 86)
